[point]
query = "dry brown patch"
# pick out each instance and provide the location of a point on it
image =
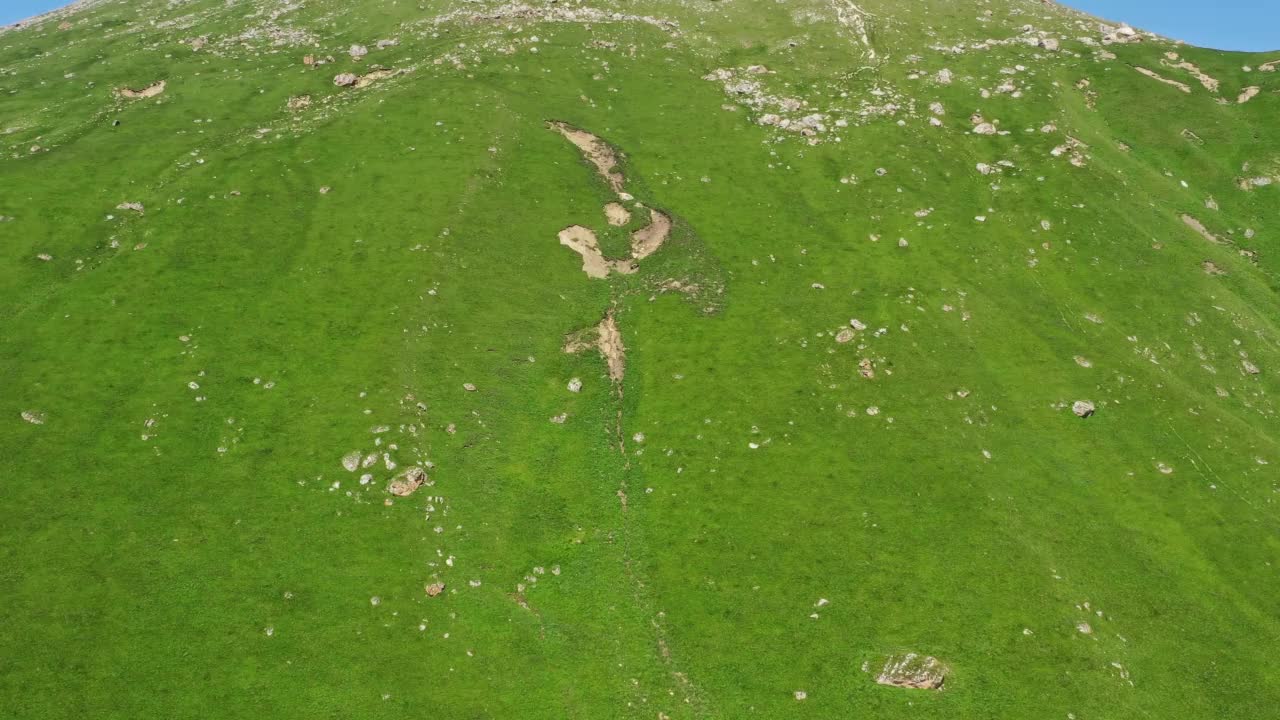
(647, 240)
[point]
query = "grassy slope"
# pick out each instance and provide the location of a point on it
(139, 576)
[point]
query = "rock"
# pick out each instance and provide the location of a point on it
(33, 416)
(984, 128)
(351, 461)
(1082, 408)
(801, 695)
(844, 336)
(944, 77)
(434, 589)
(866, 369)
(1249, 367)
(358, 51)
(407, 482)
(149, 91)
(922, 672)
(857, 324)
(1050, 44)
(468, 387)
(299, 102)
(134, 206)
(575, 385)
(1084, 628)
(384, 44)
(345, 79)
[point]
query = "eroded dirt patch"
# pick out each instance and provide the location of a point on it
(605, 338)
(1158, 77)
(647, 240)
(596, 151)
(149, 91)
(617, 214)
(1199, 227)
(1248, 94)
(583, 241)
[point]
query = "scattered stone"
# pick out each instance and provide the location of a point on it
(468, 387)
(299, 102)
(1164, 469)
(575, 385)
(407, 482)
(357, 52)
(1084, 628)
(866, 368)
(351, 461)
(434, 589)
(844, 336)
(345, 79)
(1249, 367)
(1211, 268)
(34, 417)
(922, 672)
(134, 206)
(857, 324)
(1082, 408)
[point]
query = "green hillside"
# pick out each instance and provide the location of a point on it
(748, 349)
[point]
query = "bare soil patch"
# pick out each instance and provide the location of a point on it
(1157, 76)
(616, 214)
(149, 91)
(647, 240)
(595, 150)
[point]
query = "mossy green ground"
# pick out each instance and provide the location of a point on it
(140, 576)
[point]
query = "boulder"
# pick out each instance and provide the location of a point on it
(911, 670)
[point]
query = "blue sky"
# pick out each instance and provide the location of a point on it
(1224, 24)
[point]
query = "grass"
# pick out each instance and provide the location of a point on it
(141, 575)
